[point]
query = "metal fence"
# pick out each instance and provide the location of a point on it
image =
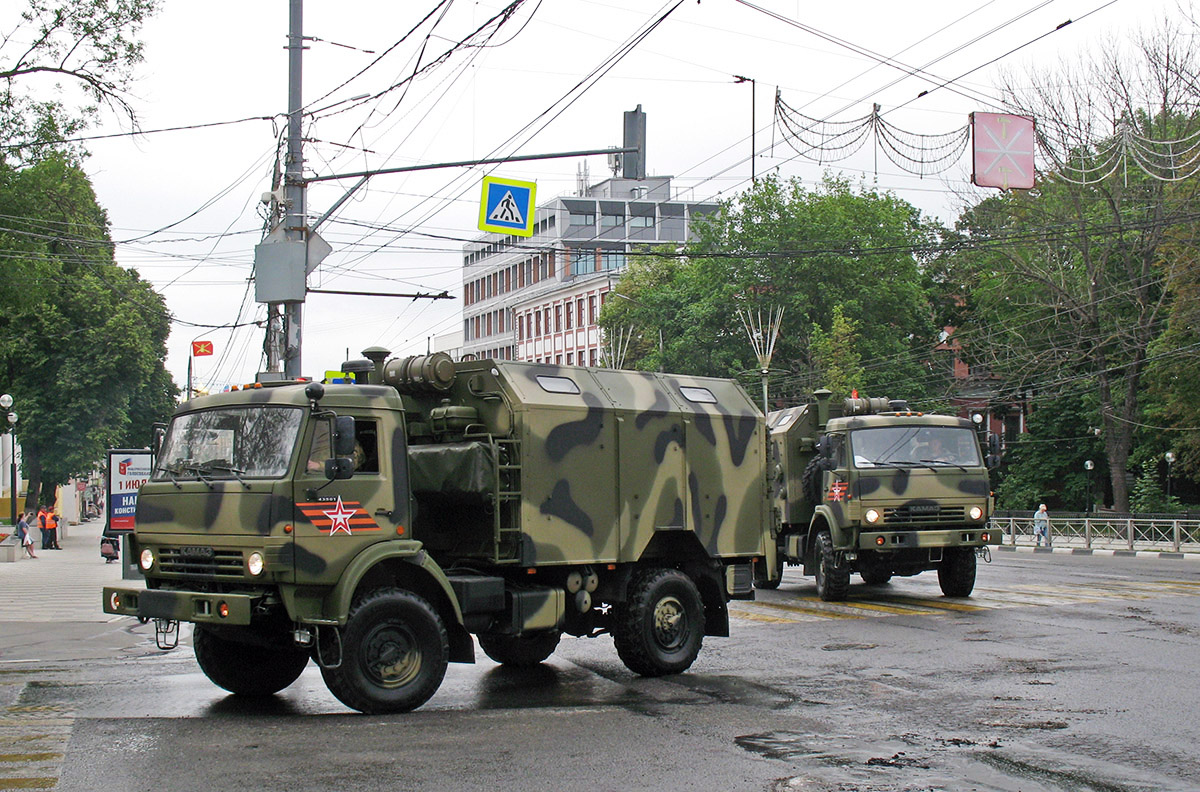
(1124, 532)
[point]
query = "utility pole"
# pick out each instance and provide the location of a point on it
(292, 249)
(293, 180)
(753, 122)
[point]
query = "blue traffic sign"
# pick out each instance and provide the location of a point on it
(507, 206)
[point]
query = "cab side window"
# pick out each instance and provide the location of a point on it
(366, 447)
(837, 450)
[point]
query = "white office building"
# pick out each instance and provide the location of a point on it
(537, 298)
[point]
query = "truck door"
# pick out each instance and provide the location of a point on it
(336, 519)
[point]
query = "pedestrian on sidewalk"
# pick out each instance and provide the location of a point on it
(1041, 525)
(23, 535)
(55, 520)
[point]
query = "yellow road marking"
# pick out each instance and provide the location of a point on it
(870, 606)
(939, 604)
(828, 614)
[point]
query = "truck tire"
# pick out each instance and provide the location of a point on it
(520, 651)
(247, 669)
(660, 627)
(760, 580)
(833, 581)
(394, 653)
(874, 568)
(956, 575)
(876, 575)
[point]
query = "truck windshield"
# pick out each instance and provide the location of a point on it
(234, 442)
(906, 446)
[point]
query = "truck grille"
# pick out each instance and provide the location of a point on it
(924, 515)
(201, 561)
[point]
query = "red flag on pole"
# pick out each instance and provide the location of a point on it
(201, 348)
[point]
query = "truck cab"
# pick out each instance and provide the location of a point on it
(878, 489)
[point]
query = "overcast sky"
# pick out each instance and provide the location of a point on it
(190, 199)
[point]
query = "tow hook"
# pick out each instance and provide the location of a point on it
(985, 553)
(166, 633)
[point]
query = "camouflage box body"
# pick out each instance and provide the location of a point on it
(514, 499)
(867, 475)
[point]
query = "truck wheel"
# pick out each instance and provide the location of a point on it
(833, 581)
(660, 627)
(876, 574)
(394, 653)
(956, 575)
(521, 651)
(246, 669)
(760, 580)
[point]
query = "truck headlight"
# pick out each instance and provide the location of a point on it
(872, 516)
(976, 513)
(147, 559)
(254, 564)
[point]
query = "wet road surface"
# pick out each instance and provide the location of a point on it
(1060, 673)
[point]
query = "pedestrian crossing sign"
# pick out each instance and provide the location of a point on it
(507, 206)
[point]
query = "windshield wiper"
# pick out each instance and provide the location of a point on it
(198, 470)
(933, 462)
(171, 473)
(219, 465)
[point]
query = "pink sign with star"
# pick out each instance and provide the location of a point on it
(1002, 155)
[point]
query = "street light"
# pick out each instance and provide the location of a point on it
(1170, 457)
(1089, 465)
(6, 401)
(753, 98)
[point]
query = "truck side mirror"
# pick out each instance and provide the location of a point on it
(343, 436)
(158, 432)
(338, 468)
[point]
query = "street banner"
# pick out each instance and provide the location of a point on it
(128, 469)
(201, 348)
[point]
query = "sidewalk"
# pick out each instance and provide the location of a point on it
(1097, 551)
(60, 585)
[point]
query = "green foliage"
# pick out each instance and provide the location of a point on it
(833, 251)
(1046, 465)
(82, 340)
(90, 45)
(1149, 498)
(836, 356)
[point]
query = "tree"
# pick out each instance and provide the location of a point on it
(82, 340)
(1046, 464)
(820, 254)
(1067, 281)
(90, 45)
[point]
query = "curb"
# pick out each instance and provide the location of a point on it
(1099, 552)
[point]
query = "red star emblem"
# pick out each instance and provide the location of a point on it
(340, 518)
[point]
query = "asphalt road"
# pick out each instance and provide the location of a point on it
(1061, 673)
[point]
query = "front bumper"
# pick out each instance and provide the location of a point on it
(185, 606)
(968, 536)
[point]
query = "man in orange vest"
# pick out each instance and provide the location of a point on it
(49, 528)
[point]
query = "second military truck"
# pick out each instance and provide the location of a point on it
(870, 486)
(376, 527)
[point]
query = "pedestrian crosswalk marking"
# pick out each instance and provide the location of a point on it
(806, 607)
(34, 740)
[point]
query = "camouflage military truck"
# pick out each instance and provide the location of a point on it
(870, 486)
(374, 528)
